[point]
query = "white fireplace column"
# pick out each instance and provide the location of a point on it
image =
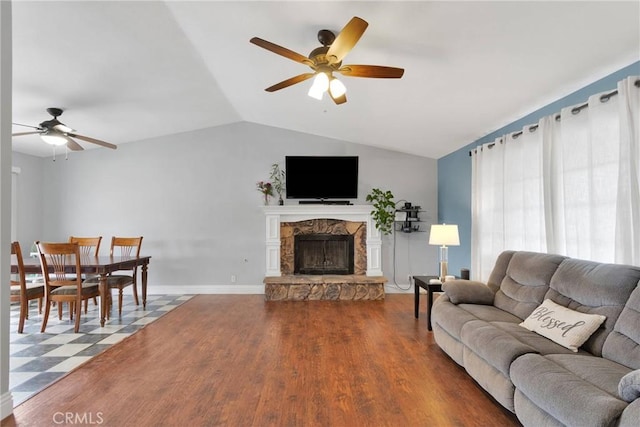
(294, 213)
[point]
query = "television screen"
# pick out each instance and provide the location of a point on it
(321, 177)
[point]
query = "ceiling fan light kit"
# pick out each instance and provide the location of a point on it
(327, 59)
(53, 137)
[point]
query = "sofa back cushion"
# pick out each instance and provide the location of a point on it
(525, 281)
(594, 288)
(499, 270)
(622, 345)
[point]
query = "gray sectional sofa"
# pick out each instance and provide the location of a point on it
(543, 382)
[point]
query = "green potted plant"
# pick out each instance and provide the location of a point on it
(384, 209)
(277, 178)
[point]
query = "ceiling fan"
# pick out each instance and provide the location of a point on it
(327, 59)
(56, 133)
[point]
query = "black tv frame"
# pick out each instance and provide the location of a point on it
(327, 177)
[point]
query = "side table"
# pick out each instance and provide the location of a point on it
(423, 282)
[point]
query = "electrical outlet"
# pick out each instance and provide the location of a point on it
(233, 278)
(409, 277)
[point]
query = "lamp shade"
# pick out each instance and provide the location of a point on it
(444, 234)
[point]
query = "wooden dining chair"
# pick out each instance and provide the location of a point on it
(123, 247)
(89, 246)
(64, 283)
(21, 290)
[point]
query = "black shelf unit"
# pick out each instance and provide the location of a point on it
(408, 218)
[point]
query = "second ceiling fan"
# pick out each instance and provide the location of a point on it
(327, 59)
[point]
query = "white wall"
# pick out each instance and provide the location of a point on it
(193, 197)
(29, 199)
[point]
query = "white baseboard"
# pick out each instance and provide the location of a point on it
(6, 405)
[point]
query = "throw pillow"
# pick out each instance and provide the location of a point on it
(629, 386)
(567, 327)
(468, 292)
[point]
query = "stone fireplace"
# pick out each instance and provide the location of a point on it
(322, 252)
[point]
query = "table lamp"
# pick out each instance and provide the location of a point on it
(443, 235)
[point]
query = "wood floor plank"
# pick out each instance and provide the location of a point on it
(237, 360)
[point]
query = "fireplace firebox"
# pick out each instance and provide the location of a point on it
(323, 254)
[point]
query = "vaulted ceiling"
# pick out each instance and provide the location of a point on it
(127, 71)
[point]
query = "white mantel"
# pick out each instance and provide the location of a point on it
(293, 213)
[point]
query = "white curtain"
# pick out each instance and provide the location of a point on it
(571, 186)
(627, 248)
(508, 195)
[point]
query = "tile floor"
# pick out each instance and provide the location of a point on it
(37, 359)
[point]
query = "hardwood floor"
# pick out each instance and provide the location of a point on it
(236, 360)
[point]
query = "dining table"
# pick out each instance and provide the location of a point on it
(101, 266)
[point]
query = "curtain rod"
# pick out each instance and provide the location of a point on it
(603, 98)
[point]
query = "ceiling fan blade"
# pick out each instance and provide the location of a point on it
(346, 40)
(282, 51)
(27, 126)
(293, 80)
(72, 145)
(26, 133)
(339, 99)
(93, 141)
(373, 71)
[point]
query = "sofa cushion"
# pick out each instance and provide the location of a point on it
(529, 414)
(468, 291)
(623, 344)
(526, 282)
(567, 327)
(594, 288)
(629, 386)
(576, 389)
(448, 316)
(493, 345)
(541, 344)
(489, 313)
(500, 343)
(489, 378)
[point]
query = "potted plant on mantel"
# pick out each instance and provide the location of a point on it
(277, 177)
(384, 209)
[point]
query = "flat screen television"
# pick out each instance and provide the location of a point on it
(321, 177)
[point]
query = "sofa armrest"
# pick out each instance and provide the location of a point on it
(468, 292)
(629, 386)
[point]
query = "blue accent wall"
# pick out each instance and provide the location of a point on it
(454, 170)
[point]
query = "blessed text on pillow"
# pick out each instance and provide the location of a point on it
(567, 327)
